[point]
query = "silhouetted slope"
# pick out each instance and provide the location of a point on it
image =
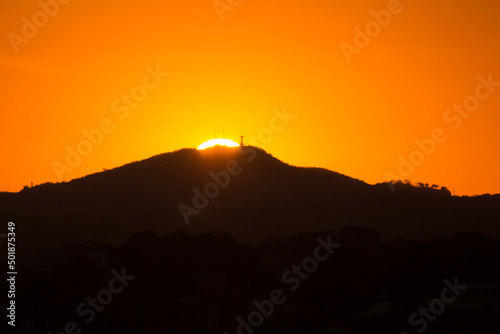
(180, 171)
(267, 197)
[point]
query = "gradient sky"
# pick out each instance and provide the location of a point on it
(354, 117)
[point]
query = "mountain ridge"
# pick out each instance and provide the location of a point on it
(264, 197)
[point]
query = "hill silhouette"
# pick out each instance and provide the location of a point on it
(265, 198)
(252, 219)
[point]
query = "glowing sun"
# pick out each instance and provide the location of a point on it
(215, 142)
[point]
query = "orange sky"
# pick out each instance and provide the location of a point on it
(266, 56)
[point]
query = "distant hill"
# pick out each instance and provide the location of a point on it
(264, 197)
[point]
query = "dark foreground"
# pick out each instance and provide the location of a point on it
(347, 282)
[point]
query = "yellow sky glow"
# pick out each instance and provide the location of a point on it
(220, 141)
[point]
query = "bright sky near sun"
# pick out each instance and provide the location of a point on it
(333, 84)
(218, 142)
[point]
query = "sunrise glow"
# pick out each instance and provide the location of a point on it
(220, 142)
